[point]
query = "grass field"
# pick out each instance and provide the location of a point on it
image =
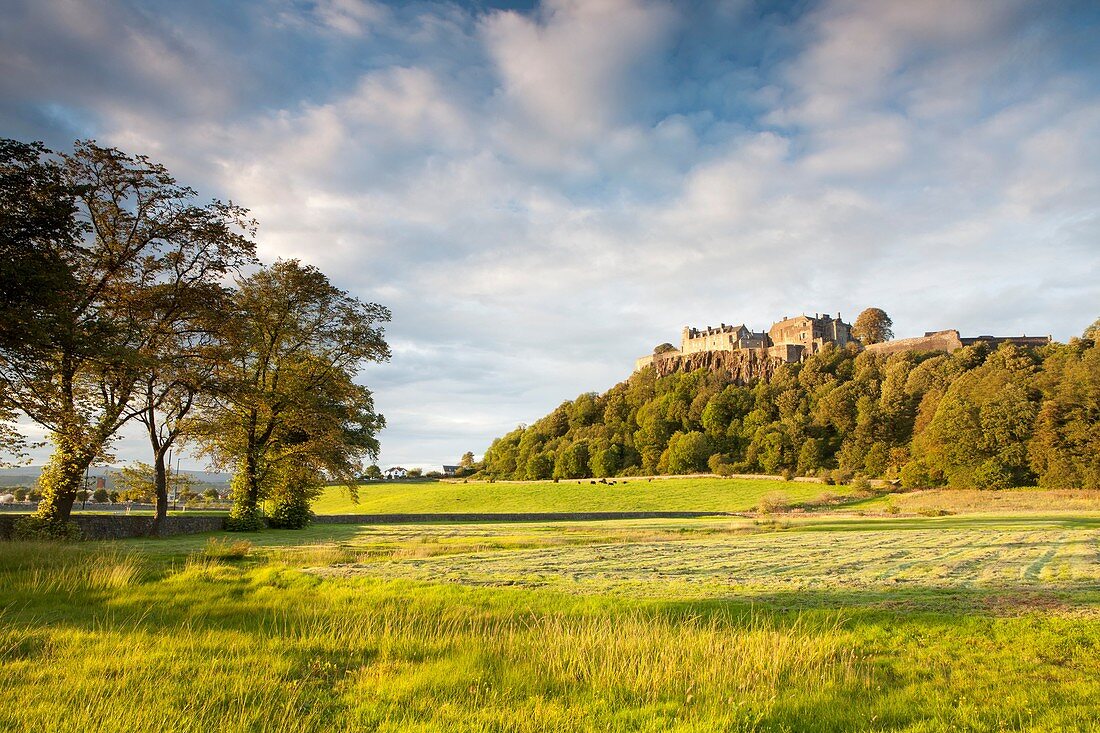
(796, 622)
(626, 495)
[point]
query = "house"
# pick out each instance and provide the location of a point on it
(450, 470)
(395, 472)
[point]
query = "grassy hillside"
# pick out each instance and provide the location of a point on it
(680, 494)
(918, 624)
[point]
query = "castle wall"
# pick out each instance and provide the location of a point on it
(934, 341)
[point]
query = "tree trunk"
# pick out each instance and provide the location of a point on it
(160, 481)
(62, 478)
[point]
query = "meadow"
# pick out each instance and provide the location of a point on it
(795, 622)
(585, 495)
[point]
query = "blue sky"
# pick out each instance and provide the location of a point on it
(543, 191)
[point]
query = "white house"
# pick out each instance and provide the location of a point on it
(395, 472)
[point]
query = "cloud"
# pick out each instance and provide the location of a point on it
(542, 195)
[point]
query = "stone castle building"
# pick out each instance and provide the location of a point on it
(789, 340)
(794, 339)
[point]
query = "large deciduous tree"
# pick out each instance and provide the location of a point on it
(117, 241)
(285, 409)
(873, 326)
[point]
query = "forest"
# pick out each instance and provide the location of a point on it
(979, 417)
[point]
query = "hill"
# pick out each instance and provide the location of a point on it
(979, 417)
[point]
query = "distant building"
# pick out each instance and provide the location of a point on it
(450, 470)
(794, 339)
(395, 472)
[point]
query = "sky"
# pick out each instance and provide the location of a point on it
(543, 191)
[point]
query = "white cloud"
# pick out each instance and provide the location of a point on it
(542, 196)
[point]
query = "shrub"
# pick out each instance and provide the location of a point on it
(842, 476)
(34, 495)
(992, 474)
(226, 549)
(291, 511)
(787, 474)
(773, 502)
(861, 484)
(100, 496)
(20, 494)
(891, 507)
(245, 520)
(916, 475)
(36, 528)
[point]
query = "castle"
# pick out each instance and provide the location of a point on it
(790, 340)
(794, 339)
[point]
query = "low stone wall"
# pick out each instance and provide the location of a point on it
(119, 527)
(116, 527)
(459, 518)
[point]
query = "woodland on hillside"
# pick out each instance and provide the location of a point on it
(978, 417)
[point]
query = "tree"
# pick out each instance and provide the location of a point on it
(663, 348)
(1093, 331)
(688, 453)
(99, 496)
(130, 232)
(135, 482)
(284, 393)
(373, 472)
(467, 460)
(873, 326)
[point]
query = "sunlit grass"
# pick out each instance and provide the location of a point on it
(679, 494)
(561, 627)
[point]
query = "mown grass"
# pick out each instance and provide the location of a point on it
(626, 495)
(645, 625)
(974, 501)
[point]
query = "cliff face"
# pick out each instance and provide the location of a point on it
(743, 366)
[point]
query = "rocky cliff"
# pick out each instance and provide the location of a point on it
(744, 366)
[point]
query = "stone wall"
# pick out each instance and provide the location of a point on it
(119, 527)
(946, 341)
(506, 517)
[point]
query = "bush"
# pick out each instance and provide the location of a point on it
(100, 496)
(861, 484)
(842, 476)
(916, 475)
(774, 502)
(787, 474)
(36, 528)
(992, 474)
(34, 495)
(20, 494)
(244, 520)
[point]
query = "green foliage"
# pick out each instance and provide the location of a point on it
(572, 461)
(286, 395)
(937, 417)
(298, 486)
(100, 496)
(873, 326)
(37, 528)
(688, 452)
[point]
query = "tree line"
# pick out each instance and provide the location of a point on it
(978, 417)
(123, 299)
